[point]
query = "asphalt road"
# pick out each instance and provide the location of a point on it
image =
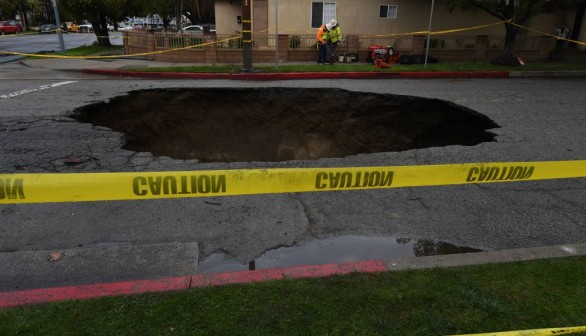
(541, 120)
(35, 43)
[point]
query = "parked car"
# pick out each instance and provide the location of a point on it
(199, 28)
(86, 28)
(72, 27)
(10, 27)
(123, 27)
(193, 29)
(48, 29)
(212, 26)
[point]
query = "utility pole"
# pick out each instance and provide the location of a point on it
(58, 23)
(428, 34)
(277, 33)
(246, 36)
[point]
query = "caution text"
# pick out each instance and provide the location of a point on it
(11, 189)
(343, 180)
(179, 185)
(499, 173)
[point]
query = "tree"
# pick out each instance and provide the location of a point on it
(201, 11)
(578, 19)
(20, 7)
(166, 9)
(98, 12)
(512, 12)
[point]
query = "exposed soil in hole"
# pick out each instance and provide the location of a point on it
(278, 124)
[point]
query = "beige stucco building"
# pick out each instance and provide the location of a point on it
(372, 17)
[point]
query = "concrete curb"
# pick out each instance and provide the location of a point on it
(44, 295)
(10, 58)
(104, 263)
(532, 74)
(301, 76)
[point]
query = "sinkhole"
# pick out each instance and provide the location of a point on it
(279, 124)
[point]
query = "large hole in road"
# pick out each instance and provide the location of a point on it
(278, 124)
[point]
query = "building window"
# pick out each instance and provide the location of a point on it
(322, 12)
(388, 11)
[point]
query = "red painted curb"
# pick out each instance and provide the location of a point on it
(297, 272)
(315, 75)
(455, 74)
(164, 75)
(301, 75)
(44, 295)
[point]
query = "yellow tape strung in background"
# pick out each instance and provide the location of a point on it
(550, 35)
(238, 37)
(534, 332)
(40, 188)
(120, 56)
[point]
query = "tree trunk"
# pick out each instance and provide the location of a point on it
(101, 31)
(508, 56)
(578, 19)
(103, 39)
(24, 20)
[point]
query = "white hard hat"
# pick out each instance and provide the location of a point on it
(334, 22)
(329, 26)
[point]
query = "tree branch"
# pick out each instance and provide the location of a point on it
(486, 6)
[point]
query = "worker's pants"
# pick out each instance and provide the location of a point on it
(322, 57)
(332, 52)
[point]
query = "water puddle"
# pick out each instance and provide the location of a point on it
(334, 250)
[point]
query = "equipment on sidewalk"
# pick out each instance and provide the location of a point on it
(385, 53)
(417, 59)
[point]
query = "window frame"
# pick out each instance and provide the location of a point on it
(323, 12)
(388, 7)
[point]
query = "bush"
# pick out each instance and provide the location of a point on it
(235, 43)
(294, 41)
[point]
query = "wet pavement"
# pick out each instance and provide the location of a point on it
(333, 250)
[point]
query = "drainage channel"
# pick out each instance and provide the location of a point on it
(334, 250)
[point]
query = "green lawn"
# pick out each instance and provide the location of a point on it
(365, 67)
(487, 298)
(344, 67)
(90, 50)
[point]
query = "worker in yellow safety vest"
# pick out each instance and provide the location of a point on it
(334, 37)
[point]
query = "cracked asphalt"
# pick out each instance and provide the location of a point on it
(541, 119)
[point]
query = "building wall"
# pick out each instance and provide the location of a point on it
(154, 42)
(361, 17)
(226, 16)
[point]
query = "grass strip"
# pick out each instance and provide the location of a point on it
(91, 50)
(365, 67)
(547, 293)
(337, 67)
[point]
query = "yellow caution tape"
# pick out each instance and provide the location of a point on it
(546, 34)
(119, 56)
(423, 32)
(40, 188)
(534, 332)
